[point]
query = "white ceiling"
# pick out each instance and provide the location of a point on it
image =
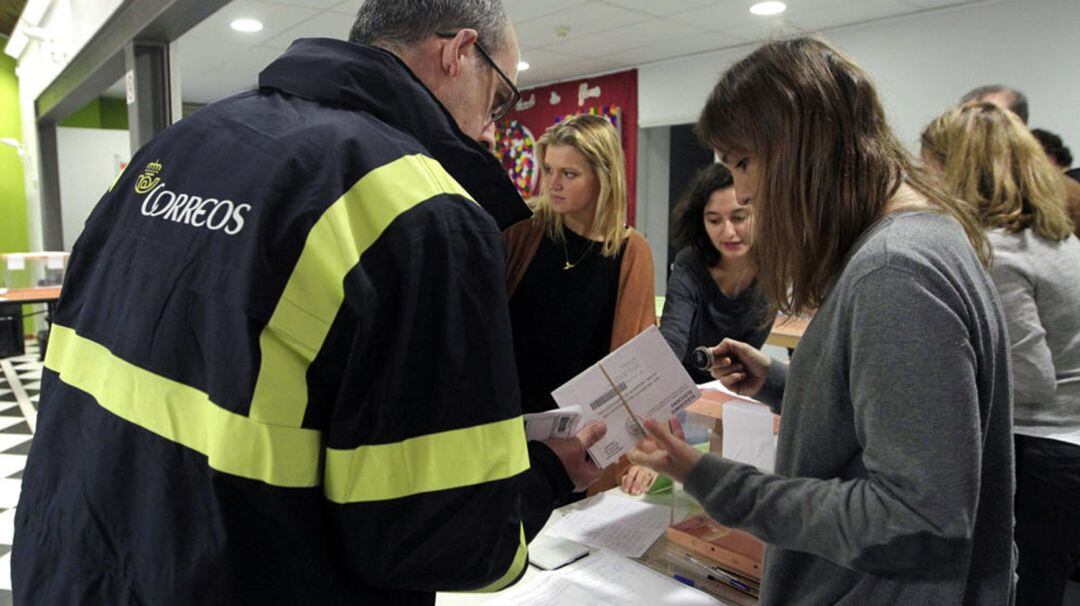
(602, 36)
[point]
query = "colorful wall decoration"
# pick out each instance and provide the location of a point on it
(613, 96)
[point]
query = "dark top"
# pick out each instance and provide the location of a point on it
(562, 318)
(240, 403)
(697, 312)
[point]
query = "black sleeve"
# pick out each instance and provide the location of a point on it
(680, 310)
(545, 487)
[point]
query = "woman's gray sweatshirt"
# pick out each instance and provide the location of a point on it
(894, 470)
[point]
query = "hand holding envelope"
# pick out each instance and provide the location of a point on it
(641, 380)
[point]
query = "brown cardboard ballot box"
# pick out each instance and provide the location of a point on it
(729, 548)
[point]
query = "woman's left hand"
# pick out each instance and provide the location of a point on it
(666, 451)
(638, 480)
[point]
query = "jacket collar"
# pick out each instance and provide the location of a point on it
(376, 81)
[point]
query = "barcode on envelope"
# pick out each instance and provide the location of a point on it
(607, 395)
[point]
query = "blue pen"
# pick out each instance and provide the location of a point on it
(684, 580)
(725, 579)
(734, 583)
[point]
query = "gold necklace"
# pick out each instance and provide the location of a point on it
(566, 254)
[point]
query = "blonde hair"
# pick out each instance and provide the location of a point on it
(596, 139)
(829, 164)
(990, 159)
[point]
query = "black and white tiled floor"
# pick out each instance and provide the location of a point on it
(20, 382)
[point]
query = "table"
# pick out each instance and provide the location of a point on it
(664, 557)
(11, 302)
(38, 294)
(787, 331)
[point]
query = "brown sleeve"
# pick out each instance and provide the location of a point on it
(522, 241)
(635, 304)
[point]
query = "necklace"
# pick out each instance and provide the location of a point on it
(566, 254)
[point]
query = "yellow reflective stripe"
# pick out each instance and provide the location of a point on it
(315, 289)
(515, 569)
(232, 443)
(438, 461)
(118, 175)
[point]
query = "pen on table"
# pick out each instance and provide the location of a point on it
(684, 580)
(743, 587)
(722, 576)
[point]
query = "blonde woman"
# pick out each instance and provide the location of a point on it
(580, 280)
(893, 480)
(987, 157)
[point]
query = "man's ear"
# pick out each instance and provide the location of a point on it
(455, 49)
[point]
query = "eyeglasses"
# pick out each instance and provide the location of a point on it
(503, 102)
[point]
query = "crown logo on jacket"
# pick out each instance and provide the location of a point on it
(148, 180)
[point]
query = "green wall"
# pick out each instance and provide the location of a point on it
(102, 112)
(13, 232)
(14, 235)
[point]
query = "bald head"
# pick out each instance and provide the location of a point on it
(398, 25)
(1001, 96)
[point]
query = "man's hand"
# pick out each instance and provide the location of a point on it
(572, 452)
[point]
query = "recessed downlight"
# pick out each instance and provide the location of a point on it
(522, 66)
(768, 8)
(248, 26)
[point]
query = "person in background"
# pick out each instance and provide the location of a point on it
(1056, 151)
(1016, 102)
(894, 467)
(712, 294)
(280, 331)
(1000, 95)
(580, 280)
(1060, 156)
(987, 157)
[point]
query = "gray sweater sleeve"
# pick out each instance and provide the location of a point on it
(912, 383)
(772, 392)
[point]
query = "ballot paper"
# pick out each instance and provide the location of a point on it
(718, 386)
(558, 423)
(602, 579)
(642, 379)
(619, 524)
(749, 434)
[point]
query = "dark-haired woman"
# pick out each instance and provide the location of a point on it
(711, 293)
(894, 468)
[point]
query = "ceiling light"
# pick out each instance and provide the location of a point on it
(522, 66)
(768, 8)
(247, 25)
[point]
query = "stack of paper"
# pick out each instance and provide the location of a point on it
(620, 524)
(602, 579)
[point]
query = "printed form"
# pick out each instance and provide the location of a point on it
(640, 380)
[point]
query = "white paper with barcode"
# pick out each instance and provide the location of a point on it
(558, 423)
(650, 378)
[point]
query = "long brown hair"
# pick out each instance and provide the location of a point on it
(990, 159)
(596, 139)
(829, 164)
